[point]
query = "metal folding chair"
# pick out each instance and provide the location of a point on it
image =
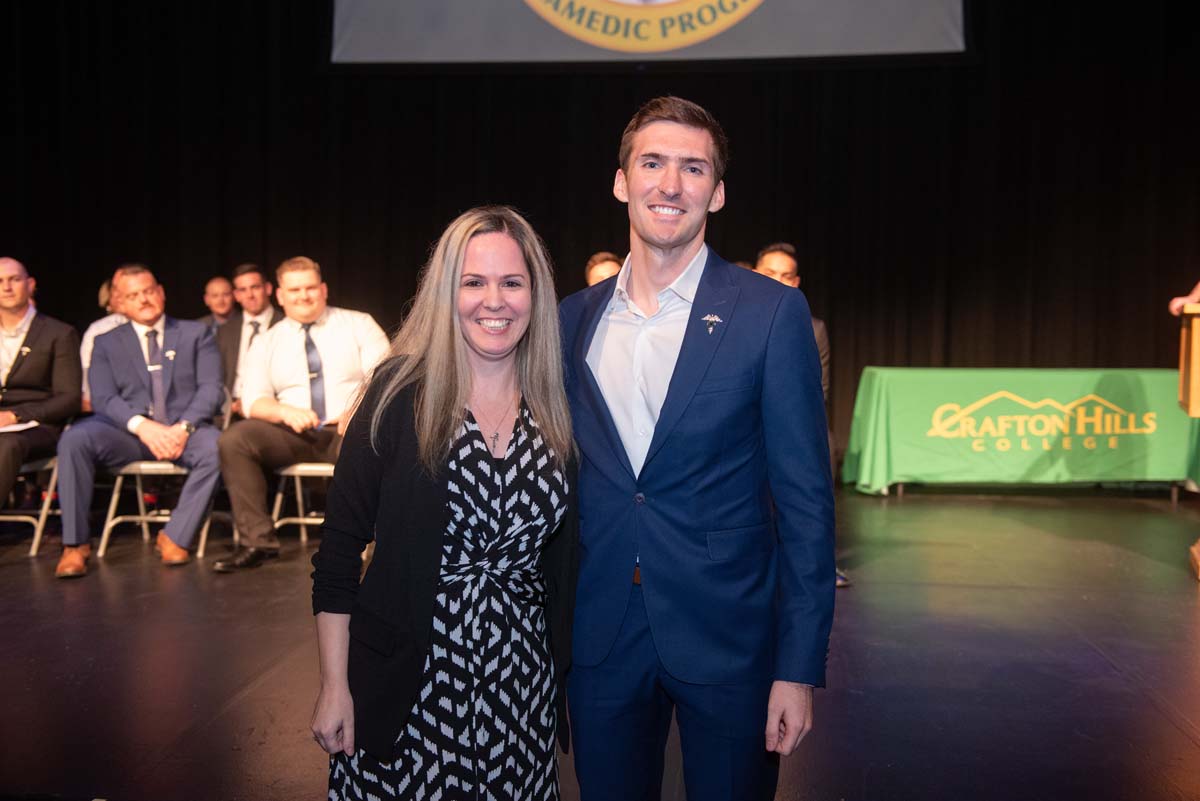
(158, 516)
(39, 521)
(298, 472)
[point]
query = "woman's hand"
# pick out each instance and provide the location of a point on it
(333, 719)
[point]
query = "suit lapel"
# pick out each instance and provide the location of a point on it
(716, 295)
(135, 354)
(170, 347)
(590, 388)
(27, 343)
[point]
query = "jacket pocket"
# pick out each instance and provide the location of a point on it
(740, 543)
(373, 631)
(726, 383)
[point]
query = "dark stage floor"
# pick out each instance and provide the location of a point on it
(1007, 647)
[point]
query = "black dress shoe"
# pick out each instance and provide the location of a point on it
(244, 559)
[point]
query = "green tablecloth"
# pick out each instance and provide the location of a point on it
(952, 426)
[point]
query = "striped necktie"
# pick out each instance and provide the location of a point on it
(155, 366)
(316, 381)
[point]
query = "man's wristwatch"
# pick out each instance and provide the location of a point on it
(188, 427)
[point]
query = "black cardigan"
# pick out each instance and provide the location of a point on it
(387, 496)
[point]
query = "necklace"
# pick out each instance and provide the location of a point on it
(495, 437)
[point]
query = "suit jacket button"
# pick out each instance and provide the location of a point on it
(639, 498)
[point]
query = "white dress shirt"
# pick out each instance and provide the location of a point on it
(350, 344)
(101, 326)
(633, 355)
(11, 342)
(140, 330)
(263, 319)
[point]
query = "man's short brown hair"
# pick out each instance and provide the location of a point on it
(131, 269)
(297, 264)
(247, 268)
(599, 258)
(786, 248)
(683, 112)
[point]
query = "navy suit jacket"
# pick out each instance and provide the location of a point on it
(120, 382)
(732, 513)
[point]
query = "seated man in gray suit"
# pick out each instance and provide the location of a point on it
(39, 374)
(778, 261)
(156, 385)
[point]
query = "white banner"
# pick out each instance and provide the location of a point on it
(493, 31)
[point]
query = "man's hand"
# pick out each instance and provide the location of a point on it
(299, 420)
(165, 442)
(789, 716)
(7, 419)
(1176, 305)
(333, 719)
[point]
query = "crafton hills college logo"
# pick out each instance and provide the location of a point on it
(1009, 422)
(643, 26)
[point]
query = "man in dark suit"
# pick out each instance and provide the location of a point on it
(40, 374)
(156, 385)
(706, 574)
(252, 291)
(778, 261)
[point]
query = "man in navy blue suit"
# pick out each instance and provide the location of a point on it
(155, 387)
(706, 510)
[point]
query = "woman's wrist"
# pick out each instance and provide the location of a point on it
(334, 682)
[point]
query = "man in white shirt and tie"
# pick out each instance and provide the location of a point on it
(252, 291)
(297, 381)
(110, 301)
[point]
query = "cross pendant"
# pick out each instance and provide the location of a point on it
(495, 441)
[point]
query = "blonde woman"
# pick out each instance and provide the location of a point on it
(443, 669)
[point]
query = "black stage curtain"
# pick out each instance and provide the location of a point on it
(1034, 203)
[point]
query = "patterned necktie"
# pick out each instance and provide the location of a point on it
(316, 383)
(155, 366)
(255, 324)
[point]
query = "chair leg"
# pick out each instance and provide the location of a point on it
(141, 493)
(40, 528)
(108, 519)
(275, 510)
(300, 509)
(204, 532)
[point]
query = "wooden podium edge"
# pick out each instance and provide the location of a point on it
(1189, 359)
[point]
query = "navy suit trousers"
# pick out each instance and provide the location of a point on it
(96, 441)
(621, 715)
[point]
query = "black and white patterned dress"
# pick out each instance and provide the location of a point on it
(483, 725)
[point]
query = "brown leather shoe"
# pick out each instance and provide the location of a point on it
(172, 554)
(73, 563)
(1194, 556)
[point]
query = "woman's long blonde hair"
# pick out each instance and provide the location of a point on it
(433, 353)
